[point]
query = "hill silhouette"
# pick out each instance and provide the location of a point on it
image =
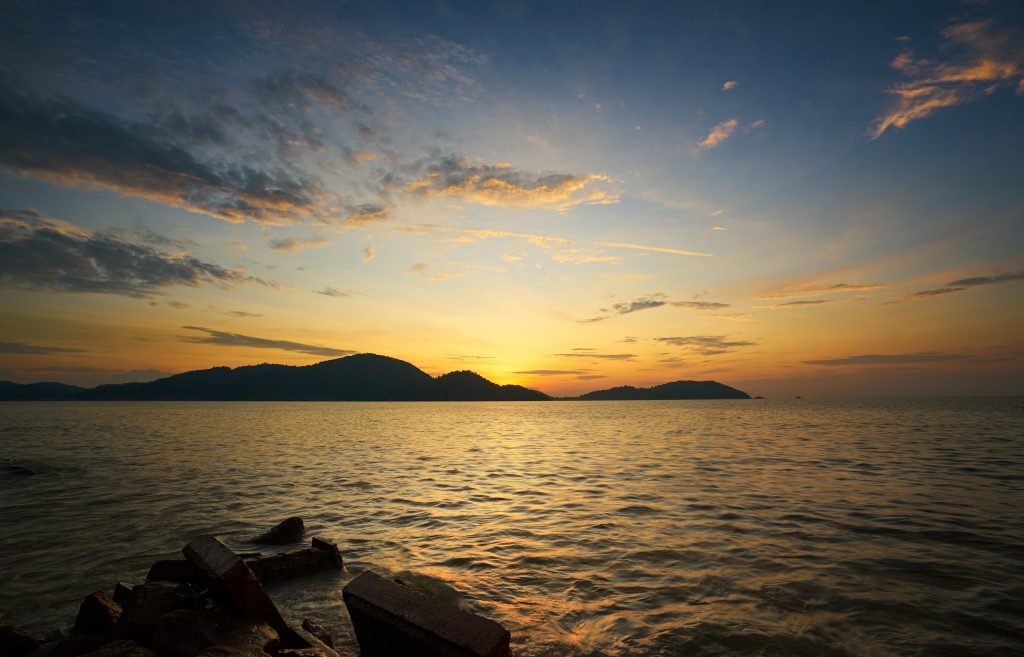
(362, 377)
(673, 390)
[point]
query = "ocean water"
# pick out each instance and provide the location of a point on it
(891, 527)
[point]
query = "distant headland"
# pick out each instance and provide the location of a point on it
(362, 377)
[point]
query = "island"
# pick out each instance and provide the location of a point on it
(361, 377)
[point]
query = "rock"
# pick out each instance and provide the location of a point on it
(285, 565)
(175, 570)
(121, 592)
(236, 584)
(189, 632)
(121, 649)
(18, 642)
(146, 604)
(97, 614)
(318, 630)
(391, 619)
(290, 530)
(331, 548)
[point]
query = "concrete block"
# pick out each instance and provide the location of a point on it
(391, 619)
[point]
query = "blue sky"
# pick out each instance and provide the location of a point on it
(784, 191)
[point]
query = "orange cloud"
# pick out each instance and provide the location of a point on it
(988, 60)
(718, 134)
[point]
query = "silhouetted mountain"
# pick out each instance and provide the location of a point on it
(43, 391)
(674, 390)
(470, 386)
(363, 377)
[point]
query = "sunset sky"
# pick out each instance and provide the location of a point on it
(790, 198)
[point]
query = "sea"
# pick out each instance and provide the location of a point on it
(747, 527)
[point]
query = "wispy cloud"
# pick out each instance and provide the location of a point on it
(369, 252)
(422, 270)
(648, 302)
(962, 284)
(552, 372)
(34, 349)
(729, 85)
(599, 356)
(242, 313)
(238, 340)
(718, 134)
(707, 345)
(331, 292)
(39, 252)
(657, 249)
(827, 288)
(501, 185)
(296, 244)
(983, 59)
(889, 359)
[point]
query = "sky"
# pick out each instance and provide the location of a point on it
(794, 199)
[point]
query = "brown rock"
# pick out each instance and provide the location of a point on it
(286, 565)
(235, 583)
(18, 642)
(146, 604)
(97, 614)
(318, 630)
(290, 530)
(121, 592)
(190, 632)
(121, 649)
(181, 571)
(391, 619)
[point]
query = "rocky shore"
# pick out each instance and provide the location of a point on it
(212, 603)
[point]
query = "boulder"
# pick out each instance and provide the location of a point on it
(319, 631)
(391, 619)
(290, 530)
(121, 649)
(190, 632)
(236, 584)
(18, 642)
(97, 614)
(121, 592)
(147, 603)
(181, 571)
(286, 565)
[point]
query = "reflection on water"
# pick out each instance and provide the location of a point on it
(603, 528)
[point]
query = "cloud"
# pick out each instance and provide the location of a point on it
(718, 134)
(39, 252)
(828, 288)
(501, 185)
(729, 85)
(650, 301)
(707, 345)
(590, 377)
(237, 340)
(369, 252)
(983, 60)
(975, 281)
(422, 270)
(295, 244)
(754, 125)
(550, 372)
(583, 256)
(599, 356)
(34, 349)
(701, 305)
(719, 229)
(331, 292)
(889, 359)
(804, 302)
(66, 142)
(962, 284)
(658, 249)
(242, 313)
(732, 317)
(934, 293)
(367, 213)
